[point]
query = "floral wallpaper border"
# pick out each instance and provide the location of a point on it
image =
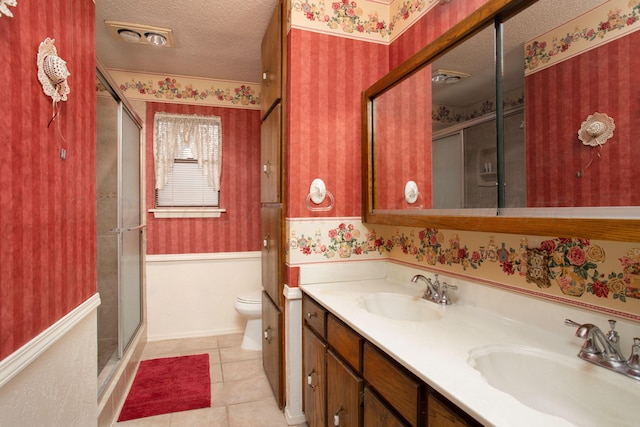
(578, 271)
(447, 115)
(184, 89)
(361, 19)
(601, 25)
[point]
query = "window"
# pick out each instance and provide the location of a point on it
(187, 155)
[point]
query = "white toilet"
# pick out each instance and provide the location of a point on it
(249, 304)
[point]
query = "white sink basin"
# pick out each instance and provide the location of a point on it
(402, 307)
(577, 391)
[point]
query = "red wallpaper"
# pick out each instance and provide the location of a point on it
(326, 77)
(430, 27)
(558, 99)
(403, 145)
(238, 229)
(47, 205)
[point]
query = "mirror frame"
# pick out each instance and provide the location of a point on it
(626, 230)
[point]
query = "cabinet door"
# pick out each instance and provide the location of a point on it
(315, 388)
(344, 391)
(270, 143)
(402, 391)
(442, 413)
(270, 87)
(377, 414)
(272, 347)
(271, 236)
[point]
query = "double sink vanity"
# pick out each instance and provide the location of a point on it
(492, 357)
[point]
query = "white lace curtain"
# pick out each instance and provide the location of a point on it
(203, 135)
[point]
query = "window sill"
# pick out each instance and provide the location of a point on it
(187, 212)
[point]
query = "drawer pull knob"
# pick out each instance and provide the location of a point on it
(336, 417)
(310, 315)
(310, 379)
(267, 334)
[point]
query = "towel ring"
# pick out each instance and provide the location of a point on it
(317, 194)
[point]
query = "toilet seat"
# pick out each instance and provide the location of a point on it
(250, 297)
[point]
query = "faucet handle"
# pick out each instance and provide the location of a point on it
(613, 336)
(444, 296)
(634, 359)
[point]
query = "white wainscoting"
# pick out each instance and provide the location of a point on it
(51, 380)
(193, 295)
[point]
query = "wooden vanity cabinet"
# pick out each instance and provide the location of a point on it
(314, 363)
(315, 377)
(402, 390)
(345, 341)
(350, 377)
(442, 413)
(344, 393)
(377, 413)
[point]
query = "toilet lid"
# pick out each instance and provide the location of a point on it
(254, 297)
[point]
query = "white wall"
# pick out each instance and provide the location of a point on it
(191, 295)
(52, 380)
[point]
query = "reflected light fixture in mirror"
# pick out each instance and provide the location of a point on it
(448, 77)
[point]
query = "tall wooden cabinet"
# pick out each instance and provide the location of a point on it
(272, 200)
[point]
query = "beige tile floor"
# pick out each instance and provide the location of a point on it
(240, 393)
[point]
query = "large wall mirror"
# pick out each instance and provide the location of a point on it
(520, 119)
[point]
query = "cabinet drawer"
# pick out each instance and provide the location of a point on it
(344, 341)
(315, 315)
(392, 383)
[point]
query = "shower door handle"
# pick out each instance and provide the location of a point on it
(137, 227)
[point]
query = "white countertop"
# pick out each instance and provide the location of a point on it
(437, 351)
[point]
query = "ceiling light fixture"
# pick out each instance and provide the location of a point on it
(156, 39)
(129, 36)
(143, 34)
(448, 77)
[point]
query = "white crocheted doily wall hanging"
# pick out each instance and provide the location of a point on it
(52, 71)
(4, 10)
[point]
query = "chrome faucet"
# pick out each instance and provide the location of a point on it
(604, 350)
(435, 291)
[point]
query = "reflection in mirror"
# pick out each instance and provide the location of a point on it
(402, 149)
(532, 153)
(578, 57)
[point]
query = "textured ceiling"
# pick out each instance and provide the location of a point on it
(476, 55)
(218, 39)
(221, 39)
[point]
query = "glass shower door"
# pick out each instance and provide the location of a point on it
(130, 226)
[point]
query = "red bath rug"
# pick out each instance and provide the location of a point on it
(171, 384)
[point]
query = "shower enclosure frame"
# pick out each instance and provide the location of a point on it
(129, 227)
